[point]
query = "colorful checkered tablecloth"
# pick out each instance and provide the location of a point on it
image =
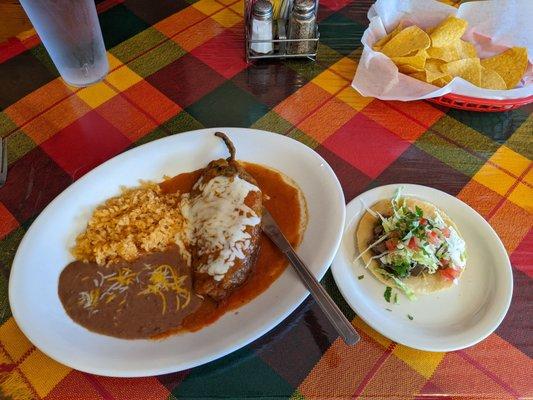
(178, 65)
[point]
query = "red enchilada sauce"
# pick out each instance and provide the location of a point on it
(141, 316)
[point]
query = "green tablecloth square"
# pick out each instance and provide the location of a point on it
(497, 126)
(6, 125)
(138, 44)
(520, 141)
(119, 24)
(18, 144)
(241, 374)
(181, 123)
(227, 105)
(341, 33)
(42, 55)
(273, 122)
(156, 59)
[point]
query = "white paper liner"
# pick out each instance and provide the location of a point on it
(493, 26)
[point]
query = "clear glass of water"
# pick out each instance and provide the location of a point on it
(70, 31)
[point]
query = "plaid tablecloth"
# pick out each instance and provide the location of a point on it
(178, 65)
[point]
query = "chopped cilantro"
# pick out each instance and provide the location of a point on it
(420, 232)
(395, 298)
(360, 277)
(388, 309)
(387, 294)
(419, 211)
(410, 317)
(402, 270)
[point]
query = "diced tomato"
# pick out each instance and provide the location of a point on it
(449, 273)
(412, 244)
(445, 232)
(391, 244)
(423, 221)
(433, 237)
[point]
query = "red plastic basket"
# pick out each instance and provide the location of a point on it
(481, 105)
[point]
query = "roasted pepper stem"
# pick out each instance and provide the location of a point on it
(229, 145)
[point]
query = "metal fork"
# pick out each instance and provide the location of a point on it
(3, 162)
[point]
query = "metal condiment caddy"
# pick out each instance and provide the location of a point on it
(279, 45)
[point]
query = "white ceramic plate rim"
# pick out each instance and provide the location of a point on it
(345, 277)
(206, 148)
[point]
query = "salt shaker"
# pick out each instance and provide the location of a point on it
(262, 27)
(302, 25)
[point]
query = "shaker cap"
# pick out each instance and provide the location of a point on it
(262, 9)
(304, 8)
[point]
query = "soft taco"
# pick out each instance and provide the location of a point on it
(411, 245)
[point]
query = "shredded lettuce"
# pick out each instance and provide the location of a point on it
(402, 286)
(397, 195)
(427, 259)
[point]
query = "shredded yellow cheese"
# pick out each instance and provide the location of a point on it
(125, 277)
(163, 279)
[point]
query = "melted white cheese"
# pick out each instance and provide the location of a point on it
(218, 221)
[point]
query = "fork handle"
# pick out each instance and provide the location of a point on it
(328, 306)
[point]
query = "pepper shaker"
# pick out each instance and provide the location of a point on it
(302, 25)
(262, 12)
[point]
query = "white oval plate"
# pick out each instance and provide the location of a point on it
(449, 320)
(43, 253)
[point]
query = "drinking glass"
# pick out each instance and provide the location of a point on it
(70, 31)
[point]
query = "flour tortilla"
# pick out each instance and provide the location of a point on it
(422, 284)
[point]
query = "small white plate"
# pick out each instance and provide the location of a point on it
(44, 252)
(449, 320)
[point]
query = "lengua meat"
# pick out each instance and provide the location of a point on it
(224, 210)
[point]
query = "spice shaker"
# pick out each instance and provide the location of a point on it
(302, 24)
(262, 12)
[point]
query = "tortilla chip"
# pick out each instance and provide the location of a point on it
(407, 69)
(420, 75)
(422, 284)
(416, 61)
(469, 69)
(438, 54)
(433, 70)
(442, 81)
(448, 31)
(381, 42)
(466, 49)
(453, 3)
(510, 65)
(448, 53)
(453, 52)
(490, 79)
(409, 40)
